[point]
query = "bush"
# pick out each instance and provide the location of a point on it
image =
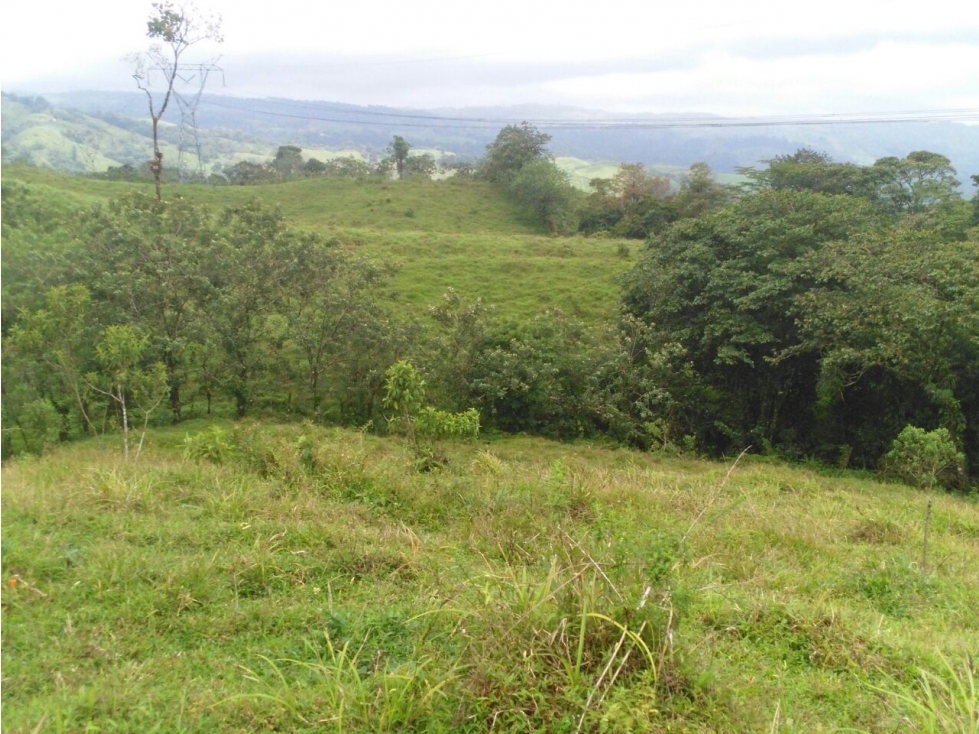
(41, 425)
(214, 445)
(923, 458)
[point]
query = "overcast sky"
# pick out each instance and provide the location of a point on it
(733, 58)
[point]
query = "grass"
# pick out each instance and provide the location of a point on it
(460, 234)
(530, 586)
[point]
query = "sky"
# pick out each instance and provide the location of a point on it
(744, 58)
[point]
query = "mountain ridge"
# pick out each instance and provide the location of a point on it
(243, 128)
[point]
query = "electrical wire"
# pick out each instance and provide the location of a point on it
(661, 123)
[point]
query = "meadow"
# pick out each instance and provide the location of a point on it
(437, 235)
(261, 576)
(292, 578)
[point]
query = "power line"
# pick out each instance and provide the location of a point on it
(664, 123)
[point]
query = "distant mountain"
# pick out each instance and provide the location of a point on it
(90, 130)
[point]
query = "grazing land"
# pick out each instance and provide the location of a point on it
(289, 575)
(293, 578)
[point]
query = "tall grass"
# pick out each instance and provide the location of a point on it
(312, 581)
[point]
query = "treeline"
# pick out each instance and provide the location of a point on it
(813, 313)
(290, 164)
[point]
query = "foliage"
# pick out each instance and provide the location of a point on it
(810, 170)
(404, 393)
(924, 458)
(214, 445)
(398, 150)
(921, 181)
(515, 146)
(545, 193)
(820, 302)
(288, 161)
(40, 425)
(125, 381)
(637, 204)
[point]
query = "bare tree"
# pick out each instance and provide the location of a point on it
(176, 28)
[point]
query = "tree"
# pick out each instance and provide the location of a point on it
(920, 458)
(404, 393)
(244, 173)
(420, 165)
(249, 266)
(329, 308)
(545, 193)
(809, 170)
(126, 382)
(632, 183)
(314, 167)
(176, 29)
(975, 200)
(515, 146)
(700, 193)
(55, 342)
(144, 260)
(915, 184)
(288, 161)
(398, 148)
(723, 287)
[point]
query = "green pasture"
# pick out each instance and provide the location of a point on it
(308, 580)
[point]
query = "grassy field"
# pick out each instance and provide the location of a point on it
(438, 234)
(312, 582)
(296, 578)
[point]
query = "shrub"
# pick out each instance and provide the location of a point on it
(923, 458)
(41, 425)
(213, 445)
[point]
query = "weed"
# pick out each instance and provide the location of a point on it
(943, 700)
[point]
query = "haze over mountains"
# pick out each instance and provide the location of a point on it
(91, 130)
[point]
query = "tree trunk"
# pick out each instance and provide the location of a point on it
(175, 405)
(156, 165)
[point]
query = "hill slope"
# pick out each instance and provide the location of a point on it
(439, 235)
(312, 582)
(233, 129)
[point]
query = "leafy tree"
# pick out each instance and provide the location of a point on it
(975, 200)
(893, 317)
(461, 331)
(809, 170)
(52, 347)
(723, 288)
(700, 193)
(420, 165)
(398, 150)
(921, 458)
(288, 161)
(244, 173)
(917, 183)
(244, 314)
(546, 195)
(514, 147)
(144, 259)
(330, 307)
(539, 377)
(176, 29)
(126, 382)
(632, 184)
(404, 393)
(315, 167)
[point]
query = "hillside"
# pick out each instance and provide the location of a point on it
(438, 235)
(304, 579)
(233, 129)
